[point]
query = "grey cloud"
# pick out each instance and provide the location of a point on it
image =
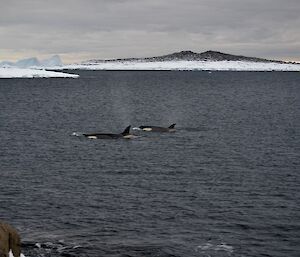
(123, 28)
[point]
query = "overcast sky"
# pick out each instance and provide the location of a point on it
(84, 29)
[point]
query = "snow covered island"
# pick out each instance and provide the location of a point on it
(184, 60)
(188, 60)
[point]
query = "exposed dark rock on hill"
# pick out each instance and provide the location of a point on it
(192, 56)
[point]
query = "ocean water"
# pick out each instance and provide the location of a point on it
(226, 183)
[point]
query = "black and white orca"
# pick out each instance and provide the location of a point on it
(125, 134)
(158, 129)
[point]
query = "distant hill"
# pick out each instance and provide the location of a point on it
(192, 56)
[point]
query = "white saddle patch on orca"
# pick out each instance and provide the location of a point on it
(147, 129)
(129, 136)
(92, 137)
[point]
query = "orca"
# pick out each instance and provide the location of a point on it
(125, 134)
(158, 129)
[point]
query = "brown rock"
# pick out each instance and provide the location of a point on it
(9, 240)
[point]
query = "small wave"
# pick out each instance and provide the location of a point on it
(77, 134)
(199, 129)
(136, 128)
(49, 249)
(215, 247)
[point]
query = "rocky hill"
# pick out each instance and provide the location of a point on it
(192, 56)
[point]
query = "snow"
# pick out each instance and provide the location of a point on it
(33, 73)
(186, 65)
(14, 72)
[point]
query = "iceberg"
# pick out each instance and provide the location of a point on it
(53, 61)
(33, 62)
(25, 63)
(11, 72)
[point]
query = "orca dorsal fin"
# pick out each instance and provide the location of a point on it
(172, 126)
(126, 131)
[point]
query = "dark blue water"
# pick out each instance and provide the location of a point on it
(225, 184)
